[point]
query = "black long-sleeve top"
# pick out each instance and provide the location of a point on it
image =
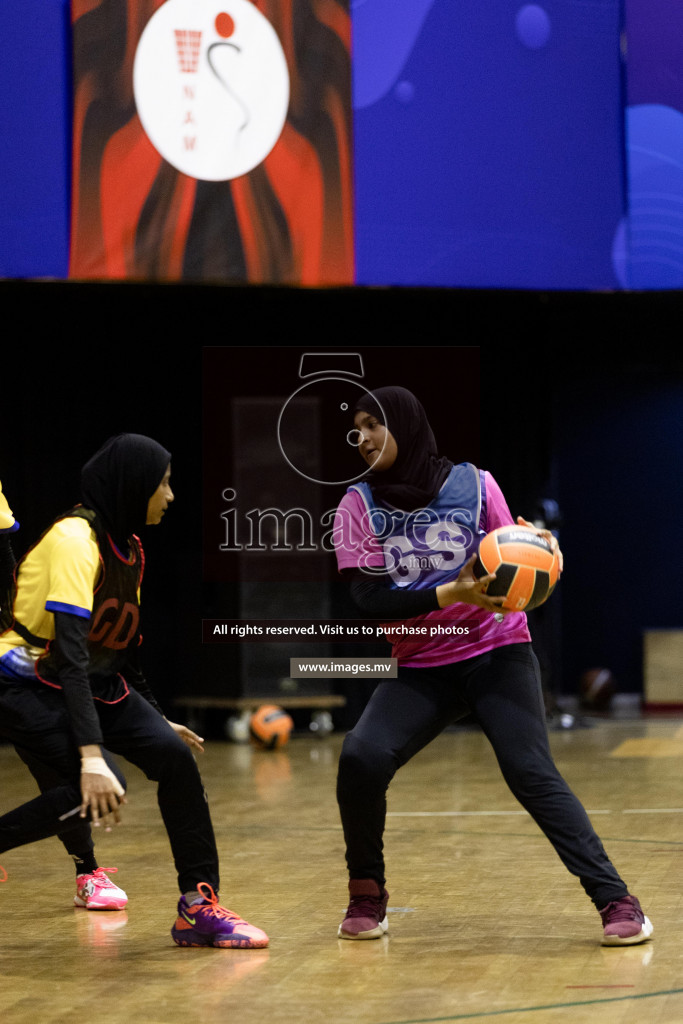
(378, 600)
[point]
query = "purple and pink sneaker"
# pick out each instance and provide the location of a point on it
(206, 923)
(625, 923)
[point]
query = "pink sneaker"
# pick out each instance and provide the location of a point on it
(625, 923)
(366, 917)
(97, 892)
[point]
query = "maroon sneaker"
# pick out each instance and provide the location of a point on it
(366, 917)
(625, 923)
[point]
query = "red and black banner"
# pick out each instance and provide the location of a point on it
(212, 141)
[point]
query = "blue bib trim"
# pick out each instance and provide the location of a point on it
(430, 545)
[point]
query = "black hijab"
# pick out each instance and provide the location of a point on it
(419, 471)
(118, 481)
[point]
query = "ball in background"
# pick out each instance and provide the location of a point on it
(525, 565)
(270, 727)
(597, 686)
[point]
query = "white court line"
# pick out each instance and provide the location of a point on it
(653, 810)
(454, 814)
(520, 814)
(467, 814)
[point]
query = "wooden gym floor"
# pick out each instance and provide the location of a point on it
(485, 923)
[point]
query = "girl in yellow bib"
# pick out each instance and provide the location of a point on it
(70, 685)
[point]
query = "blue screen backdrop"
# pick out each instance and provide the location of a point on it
(499, 145)
(489, 146)
(35, 136)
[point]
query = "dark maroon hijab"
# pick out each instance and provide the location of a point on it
(419, 471)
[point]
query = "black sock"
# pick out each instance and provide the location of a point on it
(85, 864)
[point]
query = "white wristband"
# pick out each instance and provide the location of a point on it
(98, 766)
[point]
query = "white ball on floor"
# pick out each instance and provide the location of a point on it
(237, 729)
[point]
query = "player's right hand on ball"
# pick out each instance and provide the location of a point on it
(467, 589)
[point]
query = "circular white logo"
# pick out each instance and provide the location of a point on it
(315, 431)
(211, 86)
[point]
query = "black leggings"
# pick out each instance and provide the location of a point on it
(502, 690)
(33, 718)
(77, 839)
